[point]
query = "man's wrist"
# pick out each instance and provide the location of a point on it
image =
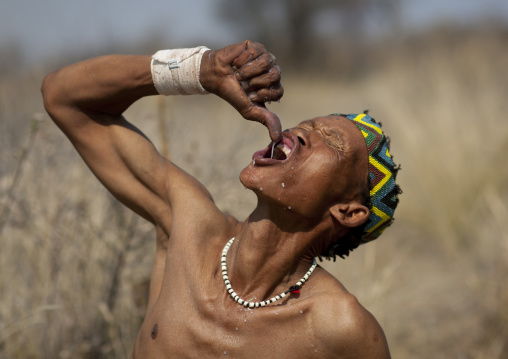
(176, 72)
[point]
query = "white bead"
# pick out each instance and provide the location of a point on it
(248, 304)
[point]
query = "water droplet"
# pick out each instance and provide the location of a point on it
(312, 345)
(283, 185)
(245, 320)
(225, 352)
(261, 189)
(301, 311)
(236, 328)
(293, 167)
(289, 207)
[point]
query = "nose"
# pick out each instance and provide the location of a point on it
(302, 135)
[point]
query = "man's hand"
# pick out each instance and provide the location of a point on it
(246, 76)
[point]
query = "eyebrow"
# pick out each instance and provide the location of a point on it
(330, 136)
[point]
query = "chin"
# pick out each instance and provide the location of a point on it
(250, 179)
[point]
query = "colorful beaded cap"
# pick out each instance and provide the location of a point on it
(382, 172)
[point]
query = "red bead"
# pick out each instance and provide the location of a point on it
(296, 291)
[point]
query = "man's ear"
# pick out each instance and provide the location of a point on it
(350, 215)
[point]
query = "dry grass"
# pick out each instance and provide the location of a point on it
(73, 262)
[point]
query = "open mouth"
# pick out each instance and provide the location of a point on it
(279, 151)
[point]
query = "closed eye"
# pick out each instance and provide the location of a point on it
(331, 137)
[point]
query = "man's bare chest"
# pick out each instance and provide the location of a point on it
(282, 331)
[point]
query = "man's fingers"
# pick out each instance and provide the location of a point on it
(266, 94)
(255, 67)
(251, 52)
(269, 79)
(232, 52)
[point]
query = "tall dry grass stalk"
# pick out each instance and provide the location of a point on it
(74, 263)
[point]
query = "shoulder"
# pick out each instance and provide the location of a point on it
(346, 328)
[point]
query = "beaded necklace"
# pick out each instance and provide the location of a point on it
(293, 289)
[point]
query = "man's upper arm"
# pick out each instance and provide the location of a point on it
(126, 162)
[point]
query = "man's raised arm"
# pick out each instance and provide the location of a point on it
(86, 100)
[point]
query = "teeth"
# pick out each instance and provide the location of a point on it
(284, 148)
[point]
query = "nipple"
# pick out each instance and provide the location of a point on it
(155, 329)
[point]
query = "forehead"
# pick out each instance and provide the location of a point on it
(349, 135)
(340, 124)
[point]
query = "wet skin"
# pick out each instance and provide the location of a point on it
(195, 314)
(327, 159)
(189, 312)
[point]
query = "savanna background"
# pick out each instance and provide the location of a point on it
(74, 264)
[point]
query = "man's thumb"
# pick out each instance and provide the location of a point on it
(260, 113)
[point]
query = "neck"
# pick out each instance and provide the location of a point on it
(272, 251)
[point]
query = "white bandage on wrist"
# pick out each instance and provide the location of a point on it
(176, 72)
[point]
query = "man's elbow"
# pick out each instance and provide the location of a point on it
(49, 90)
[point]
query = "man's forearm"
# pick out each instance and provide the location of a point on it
(108, 84)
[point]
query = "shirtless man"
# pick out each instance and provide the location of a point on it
(256, 296)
